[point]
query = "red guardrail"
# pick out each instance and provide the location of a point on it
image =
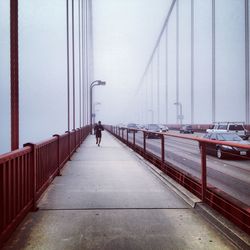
(27, 172)
(232, 208)
(16, 185)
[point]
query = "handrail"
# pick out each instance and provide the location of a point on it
(13, 154)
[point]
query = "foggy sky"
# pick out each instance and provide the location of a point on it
(124, 34)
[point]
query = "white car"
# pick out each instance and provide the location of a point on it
(230, 127)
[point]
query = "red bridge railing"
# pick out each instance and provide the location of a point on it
(27, 172)
(233, 209)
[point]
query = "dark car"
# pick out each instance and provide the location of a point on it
(223, 151)
(152, 129)
(186, 129)
(131, 127)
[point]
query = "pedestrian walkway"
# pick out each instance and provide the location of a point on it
(107, 198)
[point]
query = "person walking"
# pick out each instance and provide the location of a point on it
(98, 133)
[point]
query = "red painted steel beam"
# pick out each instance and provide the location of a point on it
(14, 74)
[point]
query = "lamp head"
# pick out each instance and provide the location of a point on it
(101, 83)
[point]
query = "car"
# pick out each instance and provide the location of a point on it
(163, 128)
(223, 151)
(236, 127)
(131, 127)
(141, 126)
(186, 129)
(153, 130)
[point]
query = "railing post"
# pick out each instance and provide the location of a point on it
(58, 154)
(144, 143)
(134, 138)
(33, 174)
(77, 138)
(69, 151)
(127, 136)
(122, 134)
(203, 171)
(75, 143)
(162, 151)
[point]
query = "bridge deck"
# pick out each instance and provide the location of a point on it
(107, 198)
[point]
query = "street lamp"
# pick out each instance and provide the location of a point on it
(179, 115)
(93, 84)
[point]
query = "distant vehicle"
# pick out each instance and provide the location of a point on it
(153, 128)
(140, 126)
(186, 129)
(233, 127)
(121, 125)
(131, 127)
(163, 128)
(222, 151)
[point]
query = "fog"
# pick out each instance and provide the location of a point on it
(124, 35)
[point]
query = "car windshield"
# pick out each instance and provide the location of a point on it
(228, 137)
(132, 125)
(153, 126)
(222, 127)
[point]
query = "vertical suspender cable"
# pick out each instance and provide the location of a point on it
(83, 63)
(68, 81)
(14, 74)
(192, 61)
(87, 61)
(166, 75)
(152, 90)
(177, 58)
(158, 84)
(73, 65)
(157, 41)
(90, 34)
(213, 63)
(247, 61)
(80, 65)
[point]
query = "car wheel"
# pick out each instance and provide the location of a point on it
(219, 153)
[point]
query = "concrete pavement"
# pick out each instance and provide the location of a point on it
(107, 198)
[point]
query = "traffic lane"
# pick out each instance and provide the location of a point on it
(228, 167)
(236, 187)
(192, 147)
(242, 165)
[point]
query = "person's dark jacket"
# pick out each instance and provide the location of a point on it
(98, 130)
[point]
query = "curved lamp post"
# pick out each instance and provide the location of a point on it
(93, 84)
(94, 114)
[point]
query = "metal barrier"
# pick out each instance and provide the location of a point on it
(233, 209)
(27, 172)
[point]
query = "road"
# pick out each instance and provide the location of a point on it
(230, 176)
